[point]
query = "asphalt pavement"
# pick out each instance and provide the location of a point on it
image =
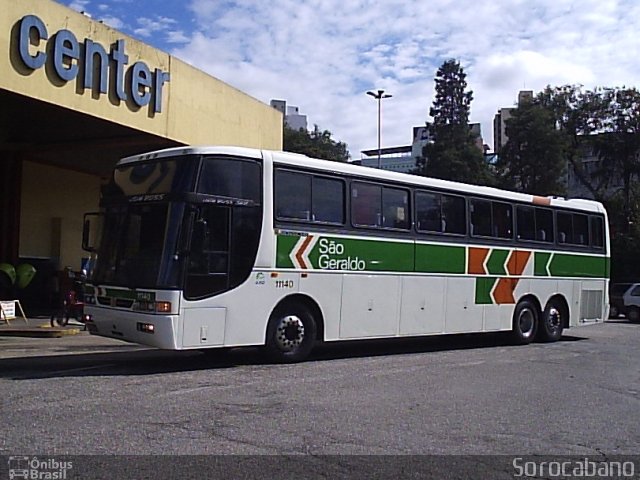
(457, 395)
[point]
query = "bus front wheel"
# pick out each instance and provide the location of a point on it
(291, 333)
(525, 322)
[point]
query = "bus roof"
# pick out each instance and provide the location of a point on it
(299, 160)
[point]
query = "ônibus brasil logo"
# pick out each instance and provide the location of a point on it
(34, 468)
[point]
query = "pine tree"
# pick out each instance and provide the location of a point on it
(452, 153)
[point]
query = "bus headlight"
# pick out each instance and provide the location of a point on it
(145, 327)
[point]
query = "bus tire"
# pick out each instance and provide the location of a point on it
(291, 333)
(552, 323)
(633, 314)
(525, 322)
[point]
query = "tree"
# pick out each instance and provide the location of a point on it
(605, 122)
(618, 147)
(316, 144)
(578, 116)
(452, 153)
(533, 159)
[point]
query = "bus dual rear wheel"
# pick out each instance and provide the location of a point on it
(291, 333)
(552, 323)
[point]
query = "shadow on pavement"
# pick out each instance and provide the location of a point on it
(153, 361)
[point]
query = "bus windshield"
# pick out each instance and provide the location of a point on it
(138, 246)
(189, 222)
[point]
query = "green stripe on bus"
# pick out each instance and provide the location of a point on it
(358, 254)
(540, 261)
(567, 265)
(440, 259)
(320, 252)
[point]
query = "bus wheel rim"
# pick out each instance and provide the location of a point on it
(553, 318)
(526, 321)
(289, 333)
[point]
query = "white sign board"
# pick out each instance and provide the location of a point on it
(8, 310)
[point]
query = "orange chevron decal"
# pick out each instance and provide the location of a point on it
(300, 252)
(477, 256)
(503, 291)
(517, 262)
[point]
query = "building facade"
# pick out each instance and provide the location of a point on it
(500, 120)
(292, 117)
(78, 95)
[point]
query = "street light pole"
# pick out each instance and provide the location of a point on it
(379, 95)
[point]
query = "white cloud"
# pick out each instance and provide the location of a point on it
(323, 55)
(150, 26)
(112, 21)
(79, 5)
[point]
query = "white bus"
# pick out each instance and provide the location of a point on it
(205, 247)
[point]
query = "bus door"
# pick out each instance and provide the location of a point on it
(208, 273)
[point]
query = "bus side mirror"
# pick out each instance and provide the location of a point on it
(91, 229)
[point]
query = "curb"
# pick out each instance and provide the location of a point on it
(35, 332)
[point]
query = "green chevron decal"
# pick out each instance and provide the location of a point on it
(497, 259)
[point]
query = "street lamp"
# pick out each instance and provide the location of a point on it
(379, 95)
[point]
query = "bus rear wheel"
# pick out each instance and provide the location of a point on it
(525, 322)
(291, 333)
(550, 329)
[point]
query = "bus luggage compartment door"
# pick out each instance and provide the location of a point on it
(203, 327)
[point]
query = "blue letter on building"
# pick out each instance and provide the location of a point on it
(66, 52)
(28, 23)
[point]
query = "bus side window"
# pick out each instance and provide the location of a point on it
(565, 228)
(454, 214)
(396, 208)
(580, 229)
(526, 224)
(366, 204)
(480, 218)
(328, 200)
(544, 225)
(597, 232)
(502, 224)
(428, 212)
(293, 195)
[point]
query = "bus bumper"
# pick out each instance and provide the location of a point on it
(153, 330)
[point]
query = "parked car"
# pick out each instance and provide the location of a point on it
(624, 299)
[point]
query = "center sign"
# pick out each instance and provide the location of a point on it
(65, 54)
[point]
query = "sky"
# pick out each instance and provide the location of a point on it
(324, 55)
